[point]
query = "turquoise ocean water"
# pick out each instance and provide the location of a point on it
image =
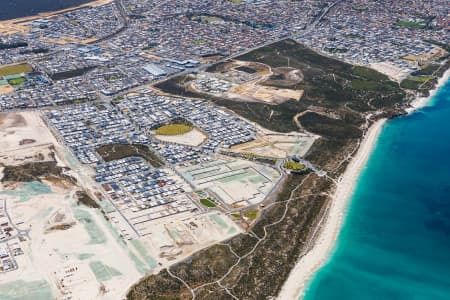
(395, 242)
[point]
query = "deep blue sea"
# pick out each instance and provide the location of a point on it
(11, 9)
(395, 243)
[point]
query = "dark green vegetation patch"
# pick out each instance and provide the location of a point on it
(208, 202)
(34, 171)
(411, 24)
(292, 165)
(118, 151)
(425, 79)
(17, 81)
(84, 199)
(415, 83)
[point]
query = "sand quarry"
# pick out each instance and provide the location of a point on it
(71, 251)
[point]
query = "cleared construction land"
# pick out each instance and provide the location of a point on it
(236, 183)
(277, 145)
(249, 82)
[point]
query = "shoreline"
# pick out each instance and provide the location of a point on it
(321, 251)
(420, 102)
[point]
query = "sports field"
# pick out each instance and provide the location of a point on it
(15, 69)
(17, 81)
(173, 129)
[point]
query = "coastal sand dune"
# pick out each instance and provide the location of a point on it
(307, 265)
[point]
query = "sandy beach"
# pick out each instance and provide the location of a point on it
(422, 101)
(294, 287)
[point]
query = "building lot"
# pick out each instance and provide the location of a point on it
(277, 146)
(236, 183)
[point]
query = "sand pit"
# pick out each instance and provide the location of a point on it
(285, 77)
(249, 82)
(192, 138)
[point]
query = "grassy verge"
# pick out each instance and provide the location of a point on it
(252, 214)
(292, 165)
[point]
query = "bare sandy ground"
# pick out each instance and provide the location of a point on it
(422, 101)
(15, 127)
(390, 70)
(6, 89)
(253, 92)
(317, 256)
(278, 145)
